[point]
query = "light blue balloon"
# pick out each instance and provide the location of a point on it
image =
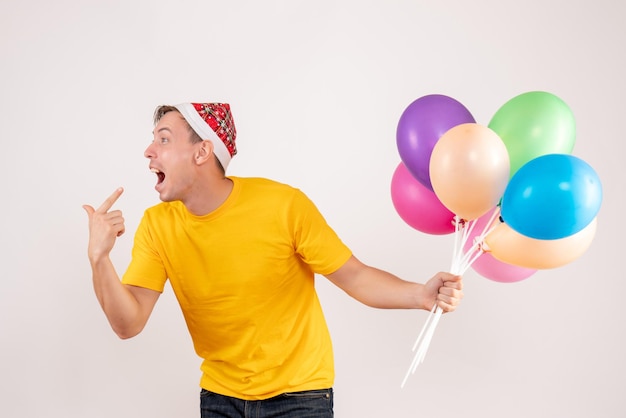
(552, 196)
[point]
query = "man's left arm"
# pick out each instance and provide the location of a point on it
(380, 289)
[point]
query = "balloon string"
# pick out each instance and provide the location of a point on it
(423, 341)
(467, 232)
(471, 261)
(455, 250)
(490, 224)
(421, 334)
(476, 250)
(428, 330)
(460, 237)
(461, 261)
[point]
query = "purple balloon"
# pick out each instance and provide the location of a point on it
(421, 125)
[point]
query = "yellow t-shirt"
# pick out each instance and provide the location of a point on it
(244, 278)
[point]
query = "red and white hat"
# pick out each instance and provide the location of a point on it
(214, 122)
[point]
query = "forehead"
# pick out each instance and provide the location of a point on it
(172, 121)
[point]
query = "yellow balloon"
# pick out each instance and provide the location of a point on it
(511, 247)
(469, 170)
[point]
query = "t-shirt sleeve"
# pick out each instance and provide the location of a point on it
(146, 268)
(314, 240)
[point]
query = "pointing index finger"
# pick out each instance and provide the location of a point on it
(106, 205)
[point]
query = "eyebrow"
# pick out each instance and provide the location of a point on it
(163, 129)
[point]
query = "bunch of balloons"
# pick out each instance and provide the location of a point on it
(511, 192)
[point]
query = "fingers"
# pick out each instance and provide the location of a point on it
(114, 217)
(446, 307)
(102, 219)
(451, 280)
(89, 209)
(104, 226)
(108, 203)
(116, 220)
(451, 298)
(450, 293)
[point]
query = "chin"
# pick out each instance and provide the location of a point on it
(164, 197)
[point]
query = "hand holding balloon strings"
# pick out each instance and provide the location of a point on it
(461, 262)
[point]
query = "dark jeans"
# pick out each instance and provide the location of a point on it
(307, 404)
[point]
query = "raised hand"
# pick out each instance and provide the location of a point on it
(105, 226)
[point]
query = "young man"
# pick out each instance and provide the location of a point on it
(240, 254)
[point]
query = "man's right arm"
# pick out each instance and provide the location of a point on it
(126, 307)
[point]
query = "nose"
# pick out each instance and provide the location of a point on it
(149, 152)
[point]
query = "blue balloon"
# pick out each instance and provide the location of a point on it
(552, 196)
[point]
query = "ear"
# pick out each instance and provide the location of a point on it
(204, 152)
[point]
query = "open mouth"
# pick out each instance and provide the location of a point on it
(160, 175)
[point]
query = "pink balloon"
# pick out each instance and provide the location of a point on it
(488, 266)
(418, 206)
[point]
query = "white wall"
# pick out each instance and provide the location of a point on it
(316, 89)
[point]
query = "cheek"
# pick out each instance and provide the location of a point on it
(182, 168)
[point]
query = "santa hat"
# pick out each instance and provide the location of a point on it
(214, 122)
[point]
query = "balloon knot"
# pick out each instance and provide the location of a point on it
(483, 247)
(459, 222)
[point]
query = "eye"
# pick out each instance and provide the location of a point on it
(164, 140)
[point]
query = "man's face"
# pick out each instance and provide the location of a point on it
(171, 156)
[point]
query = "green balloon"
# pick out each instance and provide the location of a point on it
(534, 124)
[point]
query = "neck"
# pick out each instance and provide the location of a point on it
(209, 196)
